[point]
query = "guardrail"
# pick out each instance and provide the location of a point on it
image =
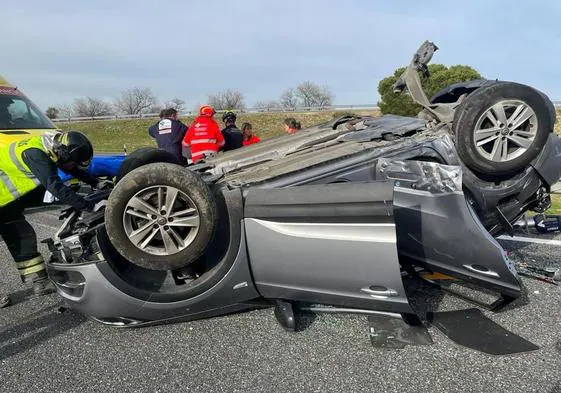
(304, 109)
(247, 110)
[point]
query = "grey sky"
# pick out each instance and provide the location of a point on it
(59, 50)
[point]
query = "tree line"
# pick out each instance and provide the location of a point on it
(137, 101)
(141, 100)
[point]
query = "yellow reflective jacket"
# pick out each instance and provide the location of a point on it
(16, 179)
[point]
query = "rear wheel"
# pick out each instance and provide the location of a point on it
(501, 128)
(161, 216)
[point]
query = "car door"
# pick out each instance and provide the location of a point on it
(326, 244)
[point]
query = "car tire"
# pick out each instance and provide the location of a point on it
(144, 156)
(161, 216)
(491, 137)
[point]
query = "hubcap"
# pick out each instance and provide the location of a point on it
(505, 131)
(161, 220)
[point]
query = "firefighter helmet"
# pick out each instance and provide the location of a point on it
(206, 110)
(72, 147)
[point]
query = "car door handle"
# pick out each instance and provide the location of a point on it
(482, 270)
(382, 292)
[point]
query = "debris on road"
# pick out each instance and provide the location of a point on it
(549, 275)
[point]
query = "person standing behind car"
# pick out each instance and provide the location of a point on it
(169, 133)
(203, 136)
(291, 125)
(249, 138)
(232, 134)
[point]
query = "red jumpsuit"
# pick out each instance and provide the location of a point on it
(251, 140)
(203, 137)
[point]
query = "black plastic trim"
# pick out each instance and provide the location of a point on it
(337, 202)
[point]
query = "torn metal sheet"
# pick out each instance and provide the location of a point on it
(393, 333)
(375, 128)
(470, 328)
(421, 175)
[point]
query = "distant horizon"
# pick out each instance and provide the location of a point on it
(64, 50)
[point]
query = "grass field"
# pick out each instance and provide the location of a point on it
(111, 135)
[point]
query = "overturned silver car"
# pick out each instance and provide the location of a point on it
(334, 215)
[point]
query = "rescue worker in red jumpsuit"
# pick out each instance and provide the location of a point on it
(204, 137)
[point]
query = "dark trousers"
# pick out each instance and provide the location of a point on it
(21, 240)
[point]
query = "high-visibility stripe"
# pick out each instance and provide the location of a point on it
(20, 167)
(9, 185)
(30, 270)
(199, 141)
(30, 262)
(202, 153)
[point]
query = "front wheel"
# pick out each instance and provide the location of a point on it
(161, 216)
(501, 128)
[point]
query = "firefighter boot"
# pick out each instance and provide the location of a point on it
(43, 287)
(33, 271)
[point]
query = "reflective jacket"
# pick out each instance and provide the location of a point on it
(16, 179)
(203, 137)
(28, 164)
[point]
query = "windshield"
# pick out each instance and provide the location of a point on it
(18, 112)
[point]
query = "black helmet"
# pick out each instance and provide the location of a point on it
(73, 147)
(229, 115)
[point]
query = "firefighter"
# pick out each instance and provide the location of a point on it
(232, 134)
(169, 133)
(203, 136)
(27, 168)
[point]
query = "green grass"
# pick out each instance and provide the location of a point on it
(111, 135)
(555, 204)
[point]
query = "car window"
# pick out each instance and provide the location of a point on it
(18, 112)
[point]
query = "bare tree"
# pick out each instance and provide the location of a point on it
(313, 95)
(227, 99)
(91, 107)
(288, 98)
(267, 105)
(155, 109)
(176, 103)
(66, 111)
(135, 101)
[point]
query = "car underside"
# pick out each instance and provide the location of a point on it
(337, 214)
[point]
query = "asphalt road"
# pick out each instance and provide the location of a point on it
(43, 350)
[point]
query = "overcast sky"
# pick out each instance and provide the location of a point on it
(58, 50)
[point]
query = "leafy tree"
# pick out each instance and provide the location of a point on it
(440, 77)
(52, 112)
